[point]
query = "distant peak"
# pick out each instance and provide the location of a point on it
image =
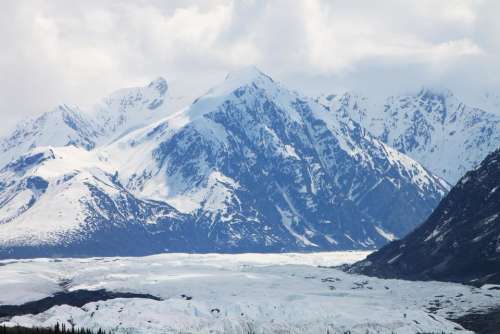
(435, 92)
(247, 74)
(160, 84)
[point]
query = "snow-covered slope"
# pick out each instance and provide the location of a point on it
(67, 201)
(459, 242)
(433, 127)
(122, 111)
(260, 167)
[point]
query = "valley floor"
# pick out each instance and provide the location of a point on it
(245, 293)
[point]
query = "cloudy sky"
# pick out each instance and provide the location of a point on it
(76, 52)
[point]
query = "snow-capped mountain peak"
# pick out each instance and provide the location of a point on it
(252, 159)
(130, 108)
(239, 79)
(62, 126)
(249, 81)
(245, 75)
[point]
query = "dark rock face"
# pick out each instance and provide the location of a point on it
(459, 242)
(481, 323)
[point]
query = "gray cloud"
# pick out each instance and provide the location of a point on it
(76, 52)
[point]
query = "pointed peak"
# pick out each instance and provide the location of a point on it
(247, 74)
(160, 84)
(243, 77)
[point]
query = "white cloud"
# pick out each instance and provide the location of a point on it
(76, 52)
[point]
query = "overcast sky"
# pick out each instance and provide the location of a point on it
(76, 52)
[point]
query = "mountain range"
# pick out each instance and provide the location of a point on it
(433, 126)
(248, 166)
(121, 112)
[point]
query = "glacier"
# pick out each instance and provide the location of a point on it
(238, 293)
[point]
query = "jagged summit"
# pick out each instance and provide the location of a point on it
(247, 80)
